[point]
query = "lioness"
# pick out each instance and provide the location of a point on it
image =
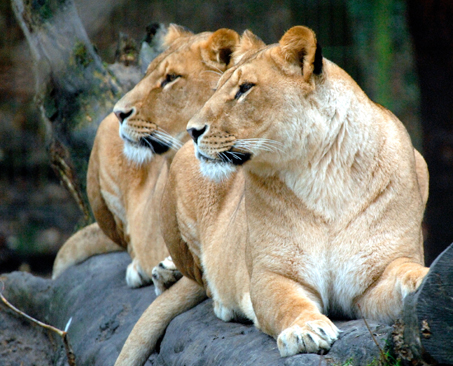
(129, 162)
(324, 218)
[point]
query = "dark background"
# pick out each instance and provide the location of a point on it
(399, 52)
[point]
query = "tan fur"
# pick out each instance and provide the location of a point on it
(152, 324)
(126, 177)
(323, 220)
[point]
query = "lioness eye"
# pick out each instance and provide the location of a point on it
(168, 79)
(243, 89)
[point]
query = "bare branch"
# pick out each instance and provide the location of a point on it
(383, 355)
(61, 333)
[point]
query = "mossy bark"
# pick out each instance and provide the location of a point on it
(74, 91)
(424, 336)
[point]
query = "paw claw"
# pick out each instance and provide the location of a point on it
(312, 337)
(164, 275)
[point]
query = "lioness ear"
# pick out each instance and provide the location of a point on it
(249, 42)
(299, 47)
(218, 48)
(175, 31)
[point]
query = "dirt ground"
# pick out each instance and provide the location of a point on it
(22, 343)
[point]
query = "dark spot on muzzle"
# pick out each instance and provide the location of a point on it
(157, 147)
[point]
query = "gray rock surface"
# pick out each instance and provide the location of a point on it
(104, 310)
(425, 331)
(21, 343)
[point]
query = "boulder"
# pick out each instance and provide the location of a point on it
(424, 335)
(104, 310)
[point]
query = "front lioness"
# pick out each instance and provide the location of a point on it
(324, 218)
(128, 168)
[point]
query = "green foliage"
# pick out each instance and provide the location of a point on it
(25, 242)
(81, 55)
(348, 363)
(42, 8)
(384, 51)
(385, 360)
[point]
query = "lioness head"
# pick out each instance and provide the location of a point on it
(153, 116)
(256, 116)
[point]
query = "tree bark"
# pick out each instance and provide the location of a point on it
(74, 91)
(425, 334)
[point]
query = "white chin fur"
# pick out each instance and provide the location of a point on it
(137, 154)
(216, 171)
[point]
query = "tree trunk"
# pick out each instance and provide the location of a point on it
(74, 90)
(425, 334)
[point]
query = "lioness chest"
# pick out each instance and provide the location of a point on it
(337, 261)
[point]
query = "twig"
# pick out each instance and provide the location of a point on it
(383, 356)
(62, 333)
(321, 358)
(66, 173)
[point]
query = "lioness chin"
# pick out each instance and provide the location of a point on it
(323, 217)
(133, 150)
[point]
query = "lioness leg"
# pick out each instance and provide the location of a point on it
(384, 300)
(142, 341)
(291, 312)
(136, 276)
(85, 243)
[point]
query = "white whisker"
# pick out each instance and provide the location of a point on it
(174, 140)
(224, 156)
(234, 155)
(149, 144)
(167, 139)
(162, 139)
(243, 145)
(255, 144)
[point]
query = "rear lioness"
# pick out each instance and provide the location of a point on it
(128, 168)
(324, 218)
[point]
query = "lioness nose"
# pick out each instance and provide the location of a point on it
(122, 115)
(195, 133)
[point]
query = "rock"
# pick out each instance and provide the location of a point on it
(426, 329)
(22, 343)
(202, 339)
(95, 295)
(104, 310)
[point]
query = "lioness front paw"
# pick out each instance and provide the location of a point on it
(222, 312)
(412, 280)
(135, 276)
(312, 337)
(164, 275)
